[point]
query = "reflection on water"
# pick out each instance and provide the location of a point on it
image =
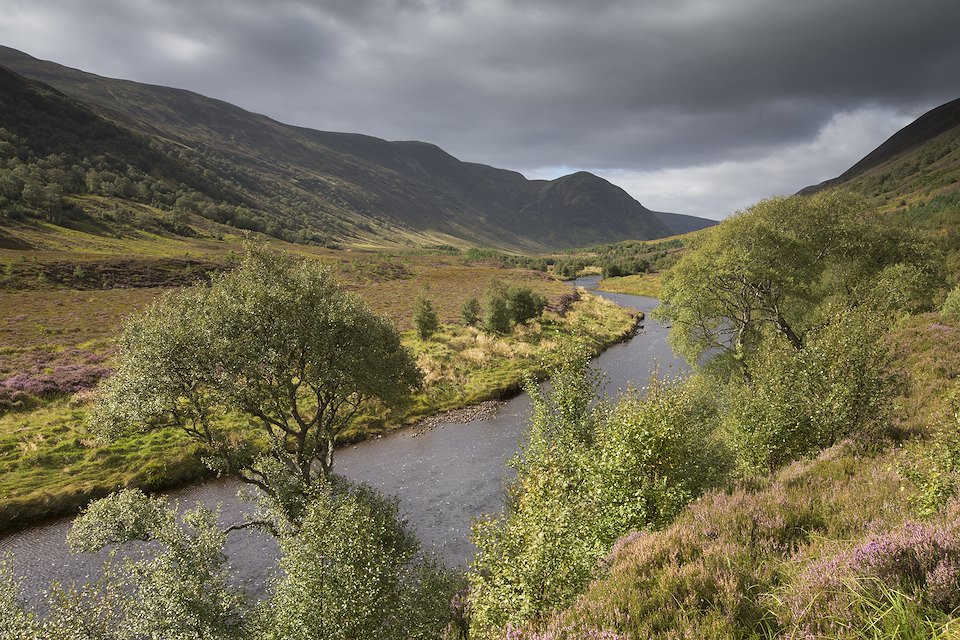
(444, 477)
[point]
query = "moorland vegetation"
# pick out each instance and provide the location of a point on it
(801, 482)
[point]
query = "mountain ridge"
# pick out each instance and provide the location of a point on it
(940, 122)
(354, 187)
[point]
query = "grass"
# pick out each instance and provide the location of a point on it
(643, 284)
(50, 466)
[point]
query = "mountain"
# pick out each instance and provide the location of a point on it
(917, 163)
(248, 170)
(679, 223)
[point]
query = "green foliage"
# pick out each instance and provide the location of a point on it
(621, 258)
(276, 342)
(179, 591)
(15, 622)
(349, 570)
(470, 312)
(524, 303)
(801, 401)
(502, 260)
(424, 317)
(497, 317)
(588, 474)
(951, 306)
(770, 270)
(653, 455)
(510, 303)
(935, 467)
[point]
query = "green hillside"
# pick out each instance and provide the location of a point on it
(302, 185)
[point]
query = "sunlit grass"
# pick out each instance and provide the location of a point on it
(643, 284)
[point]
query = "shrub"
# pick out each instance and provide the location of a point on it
(588, 475)
(524, 304)
(350, 571)
(801, 401)
(425, 318)
(951, 306)
(497, 317)
(470, 312)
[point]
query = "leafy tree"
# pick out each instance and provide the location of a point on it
(770, 268)
(424, 317)
(180, 591)
(351, 571)
(497, 317)
(470, 311)
(275, 343)
(803, 401)
(524, 304)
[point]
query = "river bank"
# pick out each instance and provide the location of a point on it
(57, 468)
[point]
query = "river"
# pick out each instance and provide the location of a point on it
(443, 477)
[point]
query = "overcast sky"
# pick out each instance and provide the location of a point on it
(693, 106)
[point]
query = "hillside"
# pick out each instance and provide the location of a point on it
(915, 165)
(323, 187)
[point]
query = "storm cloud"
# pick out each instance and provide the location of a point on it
(695, 106)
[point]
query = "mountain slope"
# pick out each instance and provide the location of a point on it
(355, 188)
(680, 224)
(917, 162)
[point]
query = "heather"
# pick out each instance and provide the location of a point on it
(917, 560)
(722, 568)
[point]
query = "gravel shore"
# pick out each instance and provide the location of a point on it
(479, 411)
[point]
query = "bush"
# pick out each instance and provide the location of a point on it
(350, 571)
(470, 312)
(801, 401)
(425, 318)
(588, 475)
(951, 306)
(497, 318)
(524, 304)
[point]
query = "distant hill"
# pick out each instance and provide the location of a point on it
(680, 224)
(247, 170)
(916, 164)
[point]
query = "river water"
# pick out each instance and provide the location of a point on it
(444, 477)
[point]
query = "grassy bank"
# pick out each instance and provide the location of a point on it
(643, 284)
(56, 344)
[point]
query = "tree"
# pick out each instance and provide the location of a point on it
(769, 268)
(352, 571)
(589, 473)
(470, 311)
(497, 318)
(801, 401)
(523, 303)
(424, 317)
(276, 344)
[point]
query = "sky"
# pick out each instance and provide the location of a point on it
(693, 106)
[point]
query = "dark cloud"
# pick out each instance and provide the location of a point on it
(627, 85)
